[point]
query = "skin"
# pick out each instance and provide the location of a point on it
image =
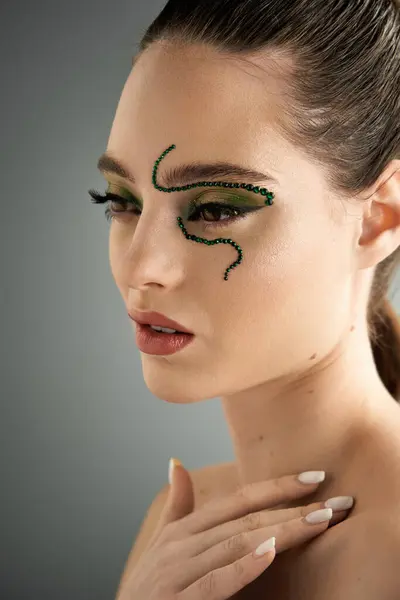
(181, 224)
(284, 341)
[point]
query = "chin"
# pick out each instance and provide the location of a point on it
(180, 384)
(175, 395)
(175, 389)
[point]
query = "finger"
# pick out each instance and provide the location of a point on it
(251, 522)
(288, 535)
(224, 582)
(297, 532)
(271, 517)
(179, 502)
(248, 499)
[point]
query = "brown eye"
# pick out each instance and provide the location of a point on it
(210, 214)
(214, 210)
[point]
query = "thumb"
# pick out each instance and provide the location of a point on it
(180, 499)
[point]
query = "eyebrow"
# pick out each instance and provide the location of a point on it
(188, 173)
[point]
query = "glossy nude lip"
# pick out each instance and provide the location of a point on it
(158, 343)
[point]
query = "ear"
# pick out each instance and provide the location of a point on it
(380, 235)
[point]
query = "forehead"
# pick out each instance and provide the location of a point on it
(212, 106)
(172, 91)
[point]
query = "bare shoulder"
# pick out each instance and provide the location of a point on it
(378, 464)
(358, 558)
(360, 561)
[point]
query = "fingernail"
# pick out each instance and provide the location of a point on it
(311, 476)
(172, 463)
(318, 516)
(340, 502)
(265, 547)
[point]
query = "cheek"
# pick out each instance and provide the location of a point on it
(292, 302)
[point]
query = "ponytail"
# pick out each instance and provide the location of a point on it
(385, 342)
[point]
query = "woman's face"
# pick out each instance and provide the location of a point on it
(287, 304)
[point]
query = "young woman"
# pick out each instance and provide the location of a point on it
(254, 197)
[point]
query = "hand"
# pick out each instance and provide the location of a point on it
(209, 553)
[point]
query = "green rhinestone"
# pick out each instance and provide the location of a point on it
(249, 187)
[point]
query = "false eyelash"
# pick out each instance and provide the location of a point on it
(98, 198)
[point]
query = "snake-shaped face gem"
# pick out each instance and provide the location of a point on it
(195, 238)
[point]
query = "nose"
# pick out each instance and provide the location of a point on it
(157, 254)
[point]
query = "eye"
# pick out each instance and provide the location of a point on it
(201, 212)
(111, 198)
(110, 211)
(215, 210)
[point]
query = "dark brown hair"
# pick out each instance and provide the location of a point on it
(343, 58)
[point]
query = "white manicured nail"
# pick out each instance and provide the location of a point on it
(173, 462)
(265, 547)
(318, 516)
(340, 502)
(312, 476)
(170, 469)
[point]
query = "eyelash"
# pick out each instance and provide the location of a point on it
(242, 212)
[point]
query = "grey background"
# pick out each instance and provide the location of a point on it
(84, 444)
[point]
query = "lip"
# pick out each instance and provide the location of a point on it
(164, 344)
(155, 318)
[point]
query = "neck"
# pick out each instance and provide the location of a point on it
(308, 422)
